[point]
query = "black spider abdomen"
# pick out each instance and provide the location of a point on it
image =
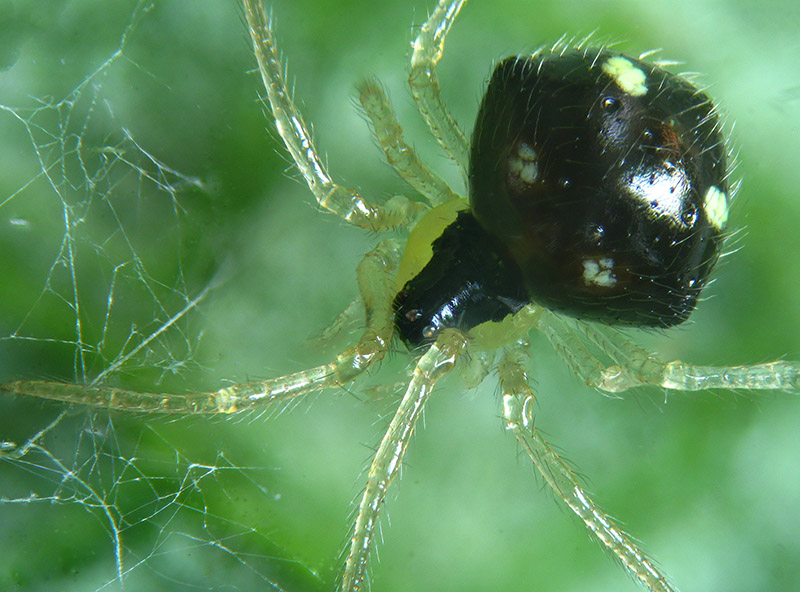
(605, 179)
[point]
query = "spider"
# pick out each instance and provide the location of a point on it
(443, 347)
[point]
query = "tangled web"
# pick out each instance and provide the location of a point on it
(97, 287)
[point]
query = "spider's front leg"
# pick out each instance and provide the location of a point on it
(343, 201)
(400, 155)
(517, 402)
(376, 282)
(424, 82)
(435, 363)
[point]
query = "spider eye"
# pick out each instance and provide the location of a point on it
(413, 315)
(571, 142)
(609, 103)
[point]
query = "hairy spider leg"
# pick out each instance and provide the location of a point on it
(435, 363)
(346, 319)
(645, 368)
(572, 348)
(476, 367)
(517, 403)
(343, 201)
(400, 156)
(375, 276)
(424, 82)
(636, 366)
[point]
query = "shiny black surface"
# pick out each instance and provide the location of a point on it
(613, 226)
(470, 279)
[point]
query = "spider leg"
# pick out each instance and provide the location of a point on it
(375, 278)
(343, 201)
(570, 345)
(401, 156)
(646, 368)
(424, 82)
(517, 402)
(478, 366)
(636, 366)
(347, 319)
(436, 362)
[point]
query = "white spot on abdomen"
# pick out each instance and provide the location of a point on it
(522, 164)
(628, 77)
(599, 272)
(715, 205)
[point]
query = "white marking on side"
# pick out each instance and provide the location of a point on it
(522, 165)
(599, 272)
(628, 77)
(715, 205)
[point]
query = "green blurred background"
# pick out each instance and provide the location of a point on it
(159, 159)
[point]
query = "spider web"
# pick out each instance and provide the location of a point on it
(97, 287)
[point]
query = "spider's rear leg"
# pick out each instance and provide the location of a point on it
(424, 82)
(376, 281)
(635, 366)
(570, 345)
(646, 368)
(437, 361)
(343, 201)
(400, 155)
(517, 401)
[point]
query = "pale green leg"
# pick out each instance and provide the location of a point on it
(342, 201)
(517, 404)
(375, 278)
(348, 319)
(570, 345)
(424, 82)
(400, 155)
(636, 366)
(437, 361)
(476, 367)
(646, 368)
